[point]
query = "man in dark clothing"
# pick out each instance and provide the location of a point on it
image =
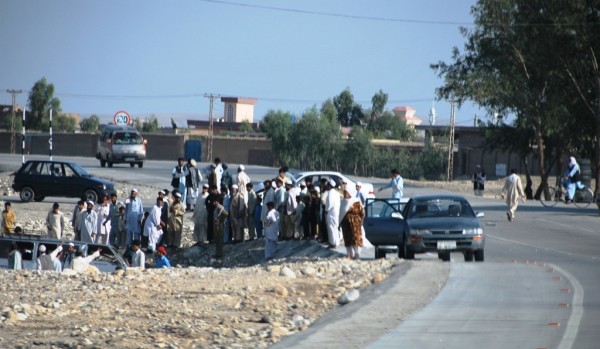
(210, 209)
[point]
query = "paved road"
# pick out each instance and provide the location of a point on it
(538, 287)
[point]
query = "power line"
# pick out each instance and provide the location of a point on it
(339, 15)
(395, 20)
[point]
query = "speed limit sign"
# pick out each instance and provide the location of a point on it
(122, 118)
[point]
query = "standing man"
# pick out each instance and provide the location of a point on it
(332, 208)
(289, 211)
(88, 223)
(219, 171)
(271, 230)
(152, 227)
(134, 212)
(179, 175)
(397, 185)
(238, 212)
(250, 223)
(104, 223)
(360, 195)
(269, 196)
(175, 228)
(242, 181)
(219, 216)
(210, 204)
(55, 222)
(200, 218)
(478, 180)
(512, 191)
(76, 220)
(114, 218)
(192, 181)
(8, 220)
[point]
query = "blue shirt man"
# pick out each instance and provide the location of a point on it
(397, 185)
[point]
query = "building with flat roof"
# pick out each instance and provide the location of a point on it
(238, 109)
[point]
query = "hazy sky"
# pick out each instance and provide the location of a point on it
(161, 56)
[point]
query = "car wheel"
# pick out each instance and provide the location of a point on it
(39, 198)
(479, 256)
(468, 256)
(379, 253)
(102, 163)
(444, 256)
(410, 254)
(91, 195)
(27, 194)
(140, 164)
(131, 164)
(109, 163)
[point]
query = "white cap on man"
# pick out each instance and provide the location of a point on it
(235, 186)
(42, 248)
(332, 183)
(241, 167)
(177, 194)
(359, 184)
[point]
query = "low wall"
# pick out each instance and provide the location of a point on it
(160, 146)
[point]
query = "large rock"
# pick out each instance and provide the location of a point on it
(349, 296)
(287, 272)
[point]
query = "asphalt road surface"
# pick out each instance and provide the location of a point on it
(538, 286)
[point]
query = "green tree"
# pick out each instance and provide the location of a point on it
(149, 125)
(390, 126)
(349, 113)
(277, 124)
(90, 124)
(518, 60)
(41, 100)
(63, 123)
(246, 126)
(378, 101)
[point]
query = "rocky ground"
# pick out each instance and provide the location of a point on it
(240, 302)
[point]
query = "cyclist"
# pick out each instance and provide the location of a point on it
(571, 180)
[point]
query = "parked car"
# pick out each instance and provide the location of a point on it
(109, 259)
(37, 179)
(121, 144)
(366, 189)
(444, 224)
(432, 223)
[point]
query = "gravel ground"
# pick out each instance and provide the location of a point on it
(240, 302)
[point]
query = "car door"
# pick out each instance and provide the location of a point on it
(73, 184)
(383, 223)
(45, 180)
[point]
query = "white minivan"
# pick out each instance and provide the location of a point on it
(119, 144)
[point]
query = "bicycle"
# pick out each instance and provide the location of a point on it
(552, 195)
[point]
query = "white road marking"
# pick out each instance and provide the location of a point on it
(576, 313)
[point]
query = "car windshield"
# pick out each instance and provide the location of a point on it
(127, 138)
(79, 170)
(437, 208)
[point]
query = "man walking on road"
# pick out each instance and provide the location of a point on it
(512, 191)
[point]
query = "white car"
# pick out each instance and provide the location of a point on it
(366, 188)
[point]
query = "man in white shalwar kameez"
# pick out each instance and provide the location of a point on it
(134, 211)
(88, 224)
(332, 210)
(152, 227)
(200, 218)
(55, 222)
(104, 223)
(512, 191)
(269, 196)
(242, 180)
(271, 230)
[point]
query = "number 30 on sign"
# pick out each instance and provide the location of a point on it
(122, 118)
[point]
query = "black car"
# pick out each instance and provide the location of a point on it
(37, 179)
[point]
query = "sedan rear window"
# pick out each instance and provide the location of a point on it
(440, 208)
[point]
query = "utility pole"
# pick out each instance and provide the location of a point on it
(209, 149)
(450, 173)
(14, 94)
